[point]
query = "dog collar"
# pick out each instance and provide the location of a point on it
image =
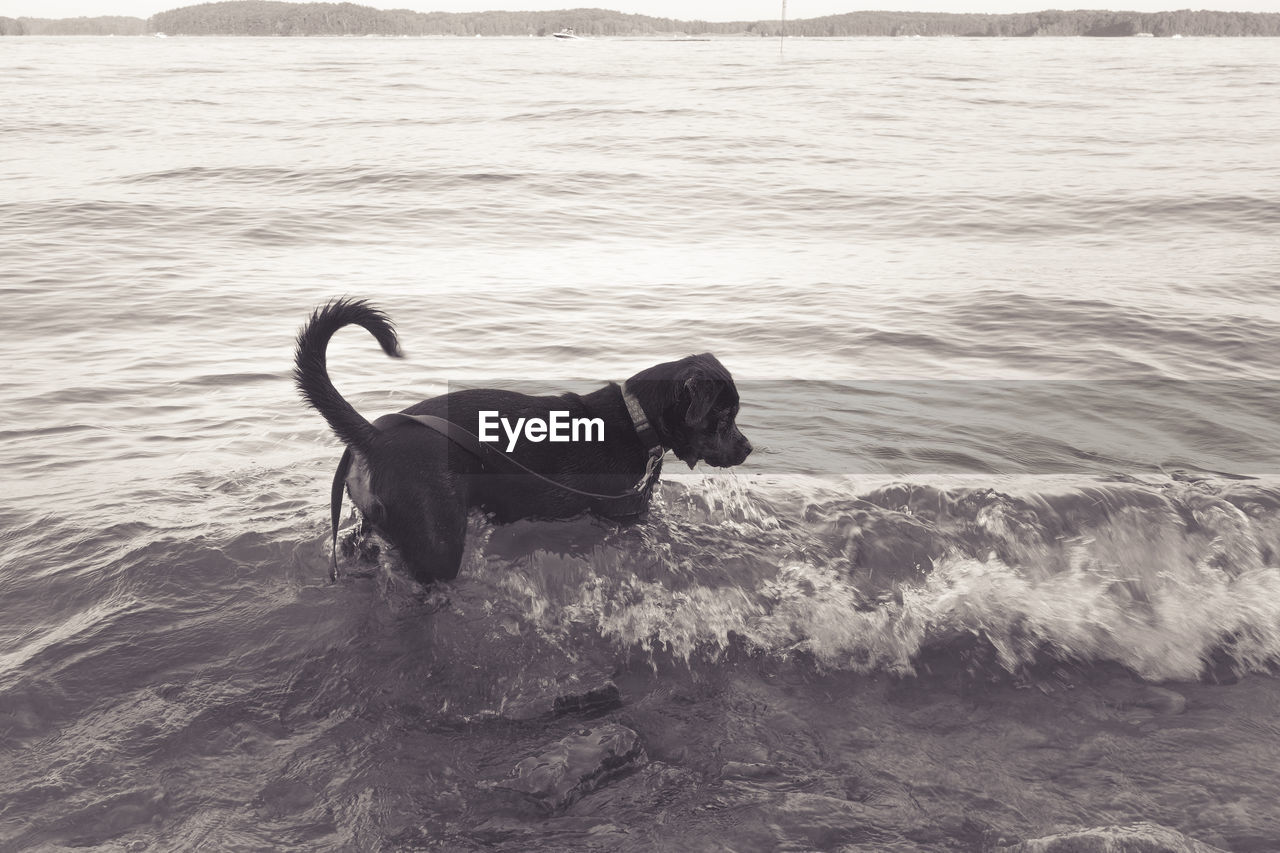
(648, 435)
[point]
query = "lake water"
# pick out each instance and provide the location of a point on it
(1005, 319)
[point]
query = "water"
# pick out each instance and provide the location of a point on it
(1005, 319)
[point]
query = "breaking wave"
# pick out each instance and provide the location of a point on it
(1167, 579)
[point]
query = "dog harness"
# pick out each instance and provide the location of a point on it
(626, 505)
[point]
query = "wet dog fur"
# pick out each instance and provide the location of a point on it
(415, 487)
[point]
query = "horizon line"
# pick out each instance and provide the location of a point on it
(653, 16)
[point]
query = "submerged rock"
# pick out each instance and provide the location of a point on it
(1140, 837)
(575, 766)
(1159, 699)
(749, 770)
(604, 697)
(587, 696)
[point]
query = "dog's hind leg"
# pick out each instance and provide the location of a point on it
(451, 541)
(432, 542)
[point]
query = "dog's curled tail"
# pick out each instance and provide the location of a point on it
(311, 374)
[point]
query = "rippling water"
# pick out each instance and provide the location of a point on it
(1005, 320)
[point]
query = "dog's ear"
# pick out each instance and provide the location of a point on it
(702, 393)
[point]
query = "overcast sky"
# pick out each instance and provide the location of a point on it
(707, 10)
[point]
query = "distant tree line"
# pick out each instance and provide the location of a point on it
(1049, 23)
(102, 26)
(270, 18)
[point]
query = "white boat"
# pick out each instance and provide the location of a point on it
(566, 33)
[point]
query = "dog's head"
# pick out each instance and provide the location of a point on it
(693, 404)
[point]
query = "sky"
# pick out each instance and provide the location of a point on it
(706, 10)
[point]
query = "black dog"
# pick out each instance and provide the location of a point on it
(415, 475)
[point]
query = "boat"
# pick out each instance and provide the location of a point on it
(566, 33)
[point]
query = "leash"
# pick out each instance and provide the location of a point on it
(490, 453)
